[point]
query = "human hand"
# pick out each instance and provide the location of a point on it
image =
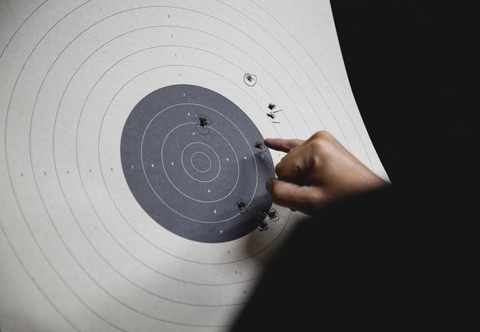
(317, 172)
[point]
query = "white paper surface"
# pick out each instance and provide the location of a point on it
(77, 252)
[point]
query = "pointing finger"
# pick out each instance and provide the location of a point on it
(284, 145)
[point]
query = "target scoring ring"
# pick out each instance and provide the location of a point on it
(189, 158)
(200, 159)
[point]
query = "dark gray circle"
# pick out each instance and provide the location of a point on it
(189, 156)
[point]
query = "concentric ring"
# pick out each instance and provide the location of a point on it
(200, 162)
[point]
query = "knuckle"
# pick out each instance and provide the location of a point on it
(323, 135)
(321, 146)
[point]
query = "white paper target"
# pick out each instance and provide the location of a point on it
(79, 250)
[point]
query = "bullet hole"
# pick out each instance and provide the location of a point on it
(260, 146)
(250, 79)
(272, 115)
(262, 226)
(202, 124)
(271, 214)
(241, 207)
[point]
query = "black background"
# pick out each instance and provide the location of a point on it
(401, 258)
(411, 72)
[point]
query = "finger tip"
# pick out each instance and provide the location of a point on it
(268, 141)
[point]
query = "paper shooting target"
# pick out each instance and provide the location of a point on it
(132, 164)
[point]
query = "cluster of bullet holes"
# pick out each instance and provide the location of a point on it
(270, 214)
(251, 80)
(241, 207)
(272, 113)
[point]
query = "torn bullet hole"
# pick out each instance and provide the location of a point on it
(272, 214)
(262, 226)
(272, 115)
(259, 145)
(271, 106)
(203, 122)
(250, 79)
(241, 207)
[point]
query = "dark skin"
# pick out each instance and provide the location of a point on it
(317, 172)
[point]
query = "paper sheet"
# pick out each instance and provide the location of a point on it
(78, 252)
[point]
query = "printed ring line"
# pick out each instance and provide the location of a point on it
(183, 165)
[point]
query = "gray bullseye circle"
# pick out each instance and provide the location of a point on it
(189, 159)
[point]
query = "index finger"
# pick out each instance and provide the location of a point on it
(284, 145)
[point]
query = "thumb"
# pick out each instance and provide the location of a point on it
(293, 196)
